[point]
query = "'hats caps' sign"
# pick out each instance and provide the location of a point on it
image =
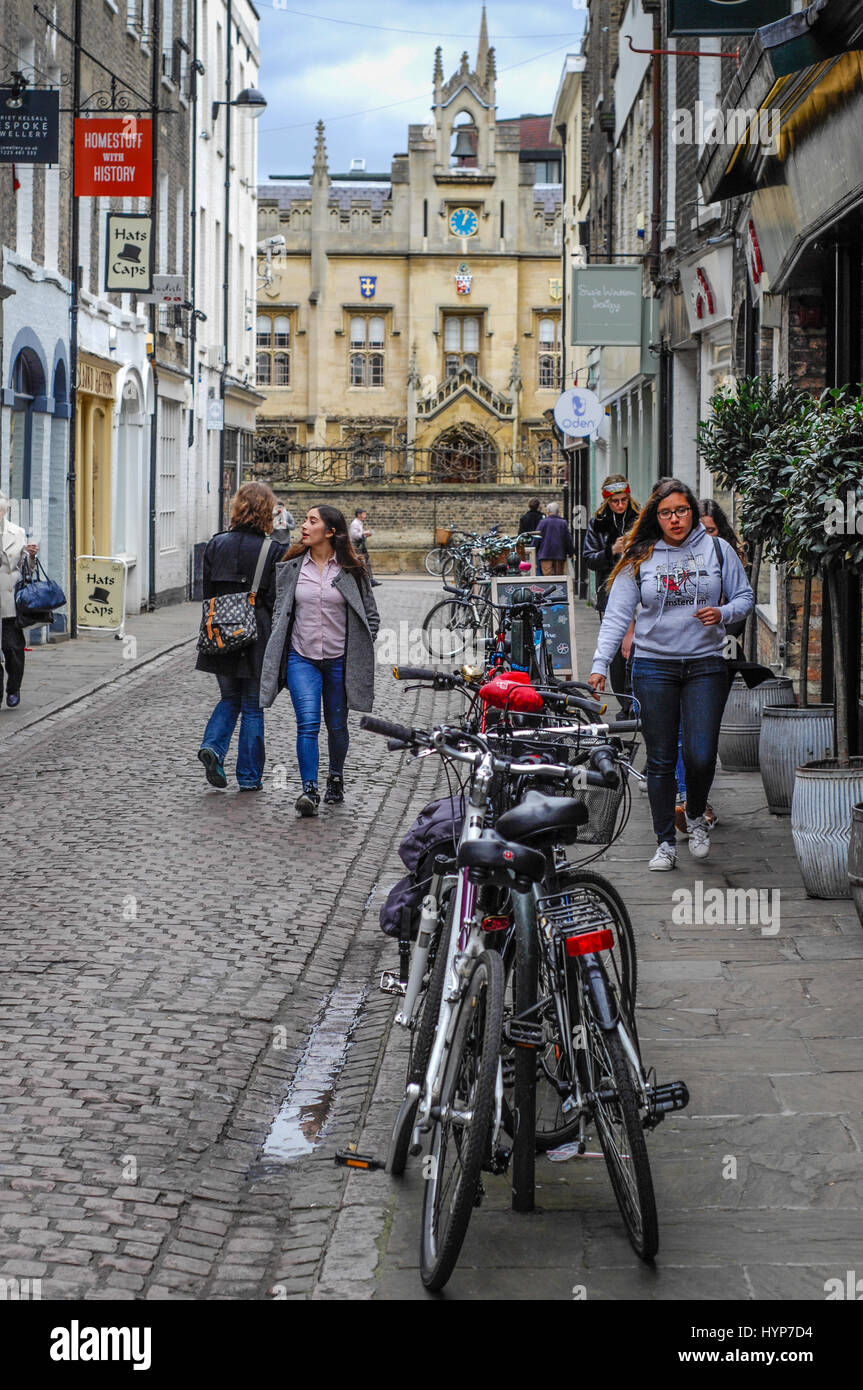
(113, 155)
(578, 412)
(128, 262)
(724, 16)
(606, 305)
(29, 133)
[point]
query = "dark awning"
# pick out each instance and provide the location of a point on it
(780, 68)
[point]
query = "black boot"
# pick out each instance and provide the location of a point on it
(335, 791)
(307, 803)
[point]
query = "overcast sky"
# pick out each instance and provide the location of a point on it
(380, 54)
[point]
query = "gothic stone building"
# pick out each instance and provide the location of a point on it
(409, 329)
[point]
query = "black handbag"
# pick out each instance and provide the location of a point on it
(229, 621)
(36, 596)
(738, 626)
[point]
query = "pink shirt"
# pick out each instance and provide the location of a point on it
(320, 612)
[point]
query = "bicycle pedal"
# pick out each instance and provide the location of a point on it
(522, 1034)
(391, 984)
(670, 1095)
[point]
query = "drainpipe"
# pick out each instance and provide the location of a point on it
(154, 312)
(71, 476)
(226, 268)
(196, 67)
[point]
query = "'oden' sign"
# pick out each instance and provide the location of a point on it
(114, 156)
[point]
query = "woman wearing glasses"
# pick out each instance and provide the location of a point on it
(669, 567)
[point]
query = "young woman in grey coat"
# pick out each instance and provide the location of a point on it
(322, 646)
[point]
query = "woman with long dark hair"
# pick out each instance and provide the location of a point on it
(322, 646)
(230, 560)
(686, 594)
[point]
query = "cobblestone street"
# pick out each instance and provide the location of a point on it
(192, 1025)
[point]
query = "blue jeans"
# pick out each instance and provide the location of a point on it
(240, 700)
(680, 770)
(671, 694)
(309, 682)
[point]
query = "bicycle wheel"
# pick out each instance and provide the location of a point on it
(439, 561)
(621, 962)
(620, 1131)
(422, 1044)
(461, 1136)
(450, 629)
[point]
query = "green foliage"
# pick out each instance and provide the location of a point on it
(744, 416)
(820, 522)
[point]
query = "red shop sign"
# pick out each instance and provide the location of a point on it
(113, 156)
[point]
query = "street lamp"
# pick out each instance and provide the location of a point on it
(15, 99)
(249, 99)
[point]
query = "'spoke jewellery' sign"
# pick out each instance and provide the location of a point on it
(128, 255)
(29, 131)
(463, 279)
(368, 285)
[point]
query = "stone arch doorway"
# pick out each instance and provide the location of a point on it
(464, 454)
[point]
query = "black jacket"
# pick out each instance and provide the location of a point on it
(529, 522)
(601, 533)
(229, 568)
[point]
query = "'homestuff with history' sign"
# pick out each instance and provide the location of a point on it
(114, 156)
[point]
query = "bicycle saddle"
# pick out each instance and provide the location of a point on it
(494, 860)
(541, 820)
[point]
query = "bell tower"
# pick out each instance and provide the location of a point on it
(464, 110)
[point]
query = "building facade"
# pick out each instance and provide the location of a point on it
(409, 324)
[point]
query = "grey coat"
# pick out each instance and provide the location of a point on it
(363, 623)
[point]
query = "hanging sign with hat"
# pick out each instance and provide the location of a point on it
(128, 255)
(101, 592)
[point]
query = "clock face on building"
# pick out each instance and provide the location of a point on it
(463, 222)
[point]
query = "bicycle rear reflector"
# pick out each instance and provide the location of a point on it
(585, 943)
(495, 923)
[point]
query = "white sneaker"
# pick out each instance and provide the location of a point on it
(699, 837)
(665, 856)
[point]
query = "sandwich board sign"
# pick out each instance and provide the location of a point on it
(101, 593)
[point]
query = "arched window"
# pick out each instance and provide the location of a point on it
(273, 368)
(281, 369)
(264, 331)
(460, 343)
(262, 368)
(548, 361)
(367, 367)
(281, 331)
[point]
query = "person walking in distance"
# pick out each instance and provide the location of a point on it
(230, 561)
(669, 567)
(555, 541)
(603, 545)
(322, 646)
(359, 538)
(531, 519)
(14, 554)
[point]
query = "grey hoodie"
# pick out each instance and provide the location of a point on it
(675, 581)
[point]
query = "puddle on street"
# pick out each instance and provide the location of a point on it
(297, 1128)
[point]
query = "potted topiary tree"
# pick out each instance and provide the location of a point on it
(828, 474)
(789, 734)
(735, 444)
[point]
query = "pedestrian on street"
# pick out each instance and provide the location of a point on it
(322, 646)
(531, 519)
(670, 568)
(604, 540)
(715, 523)
(14, 554)
(283, 524)
(555, 541)
(359, 536)
(230, 560)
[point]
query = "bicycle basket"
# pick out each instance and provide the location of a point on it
(603, 803)
(442, 536)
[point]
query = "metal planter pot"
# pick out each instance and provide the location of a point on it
(741, 722)
(824, 797)
(789, 737)
(855, 859)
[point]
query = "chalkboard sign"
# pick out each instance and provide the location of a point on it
(558, 619)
